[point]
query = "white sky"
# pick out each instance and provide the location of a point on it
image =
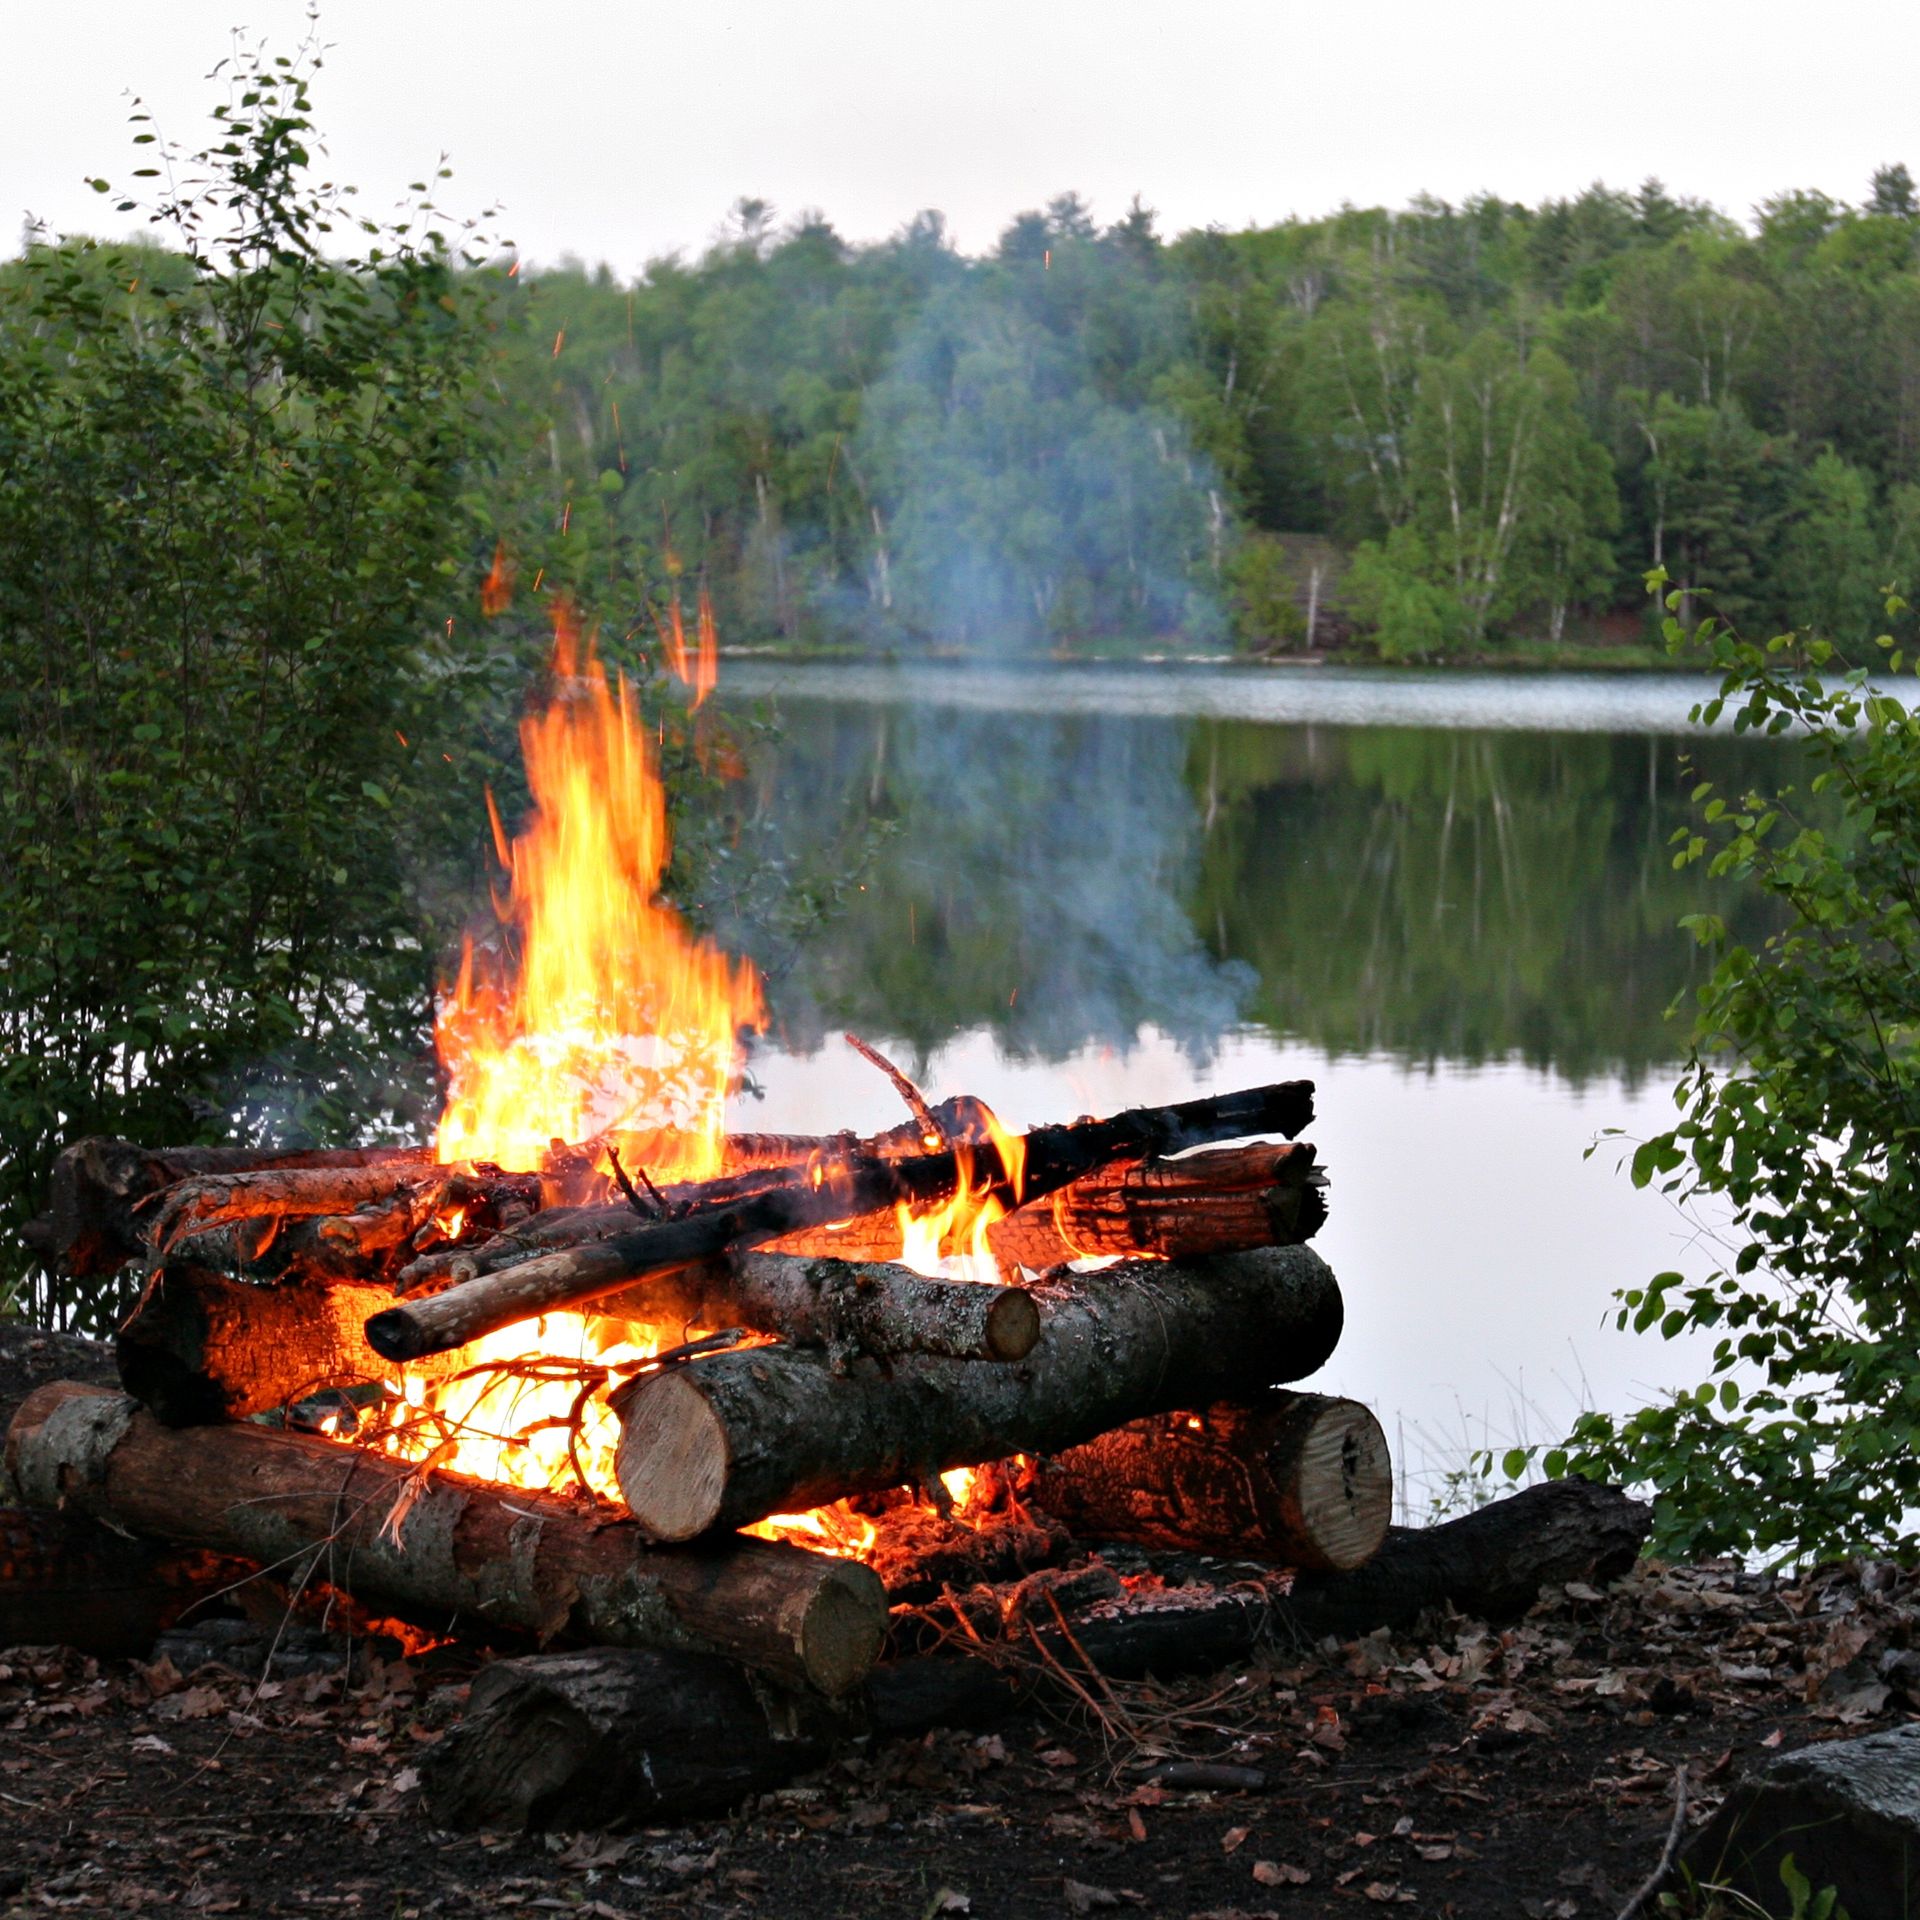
(620, 131)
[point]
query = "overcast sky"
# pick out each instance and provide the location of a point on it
(619, 131)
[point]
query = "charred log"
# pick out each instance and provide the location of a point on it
(204, 1346)
(732, 1437)
(420, 1538)
(1302, 1480)
(851, 1184)
(91, 1225)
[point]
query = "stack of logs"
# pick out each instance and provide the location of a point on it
(1143, 1396)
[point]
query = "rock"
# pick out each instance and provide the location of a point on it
(1848, 1811)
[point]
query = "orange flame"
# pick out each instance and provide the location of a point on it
(617, 1018)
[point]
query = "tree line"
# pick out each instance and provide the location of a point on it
(1432, 430)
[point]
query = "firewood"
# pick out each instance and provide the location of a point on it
(1301, 1479)
(1177, 1209)
(599, 1738)
(1212, 1202)
(730, 1438)
(91, 1226)
(95, 1222)
(870, 1308)
(509, 1557)
(835, 1187)
(203, 1346)
(611, 1738)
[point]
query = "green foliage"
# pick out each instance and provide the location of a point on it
(1393, 594)
(247, 712)
(1799, 1138)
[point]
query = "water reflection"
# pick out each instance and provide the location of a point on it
(1061, 878)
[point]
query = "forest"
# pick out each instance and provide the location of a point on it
(1439, 431)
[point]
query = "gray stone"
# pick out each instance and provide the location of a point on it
(1848, 1811)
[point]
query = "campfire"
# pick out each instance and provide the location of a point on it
(590, 1367)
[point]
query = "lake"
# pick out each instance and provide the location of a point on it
(1446, 898)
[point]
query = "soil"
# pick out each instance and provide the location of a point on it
(1463, 1770)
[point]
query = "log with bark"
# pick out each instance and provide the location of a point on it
(203, 1346)
(835, 1187)
(609, 1738)
(102, 1189)
(732, 1437)
(599, 1738)
(1299, 1479)
(1219, 1202)
(850, 1309)
(1215, 1201)
(93, 1224)
(416, 1537)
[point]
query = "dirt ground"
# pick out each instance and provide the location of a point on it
(1460, 1770)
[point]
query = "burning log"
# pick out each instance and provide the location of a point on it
(1221, 1202)
(102, 1189)
(1302, 1480)
(415, 1537)
(730, 1438)
(204, 1346)
(854, 1183)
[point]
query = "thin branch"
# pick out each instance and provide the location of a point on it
(931, 1135)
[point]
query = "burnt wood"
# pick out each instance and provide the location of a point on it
(833, 1187)
(1301, 1479)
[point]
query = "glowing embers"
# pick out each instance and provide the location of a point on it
(595, 1010)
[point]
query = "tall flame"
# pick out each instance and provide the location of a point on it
(615, 1018)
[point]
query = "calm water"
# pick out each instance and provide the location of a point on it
(1447, 899)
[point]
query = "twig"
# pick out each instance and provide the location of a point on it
(932, 1135)
(1651, 1886)
(654, 1206)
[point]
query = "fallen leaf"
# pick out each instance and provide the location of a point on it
(1058, 1758)
(592, 1850)
(1233, 1839)
(946, 1900)
(1280, 1873)
(193, 1703)
(150, 1743)
(1135, 1825)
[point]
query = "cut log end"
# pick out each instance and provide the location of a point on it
(1336, 1475)
(842, 1629)
(394, 1335)
(673, 1457)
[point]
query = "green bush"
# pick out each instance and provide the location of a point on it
(241, 705)
(1798, 1144)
